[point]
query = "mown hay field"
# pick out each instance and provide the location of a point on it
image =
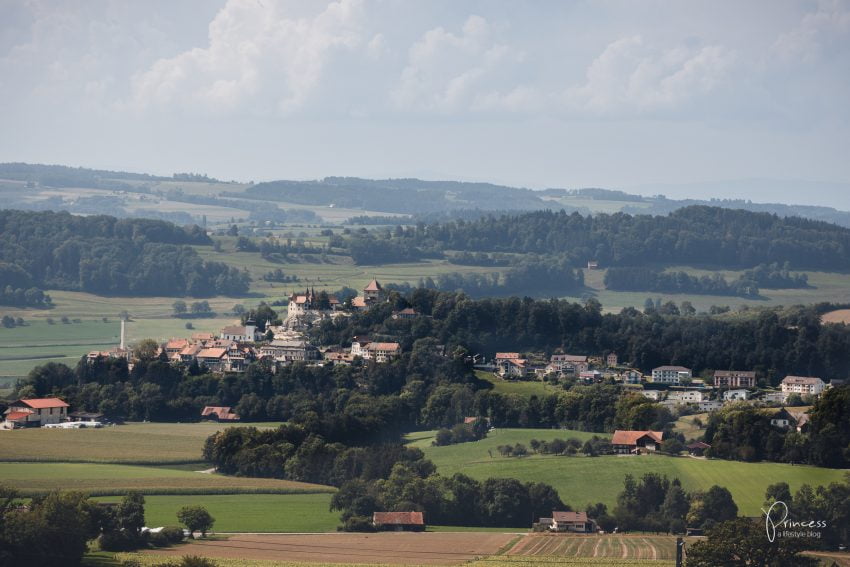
(106, 479)
(132, 443)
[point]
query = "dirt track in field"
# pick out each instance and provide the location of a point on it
(430, 548)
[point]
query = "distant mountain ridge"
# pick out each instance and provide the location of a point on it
(416, 196)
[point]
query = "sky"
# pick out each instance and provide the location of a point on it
(692, 99)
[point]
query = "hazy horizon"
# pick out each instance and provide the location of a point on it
(691, 100)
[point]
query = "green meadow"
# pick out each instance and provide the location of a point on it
(247, 512)
(581, 480)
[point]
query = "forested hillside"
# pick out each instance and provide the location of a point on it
(396, 195)
(105, 255)
(696, 235)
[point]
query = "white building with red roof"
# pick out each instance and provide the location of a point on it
(34, 412)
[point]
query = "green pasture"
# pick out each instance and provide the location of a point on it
(107, 479)
(247, 512)
(133, 443)
(525, 388)
(581, 480)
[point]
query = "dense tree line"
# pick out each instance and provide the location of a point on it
(456, 501)
(532, 276)
(745, 433)
(106, 255)
(648, 279)
(20, 297)
(694, 235)
(774, 276)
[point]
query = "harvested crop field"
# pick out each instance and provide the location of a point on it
(837, 316)
(404, 548)
(609, 546)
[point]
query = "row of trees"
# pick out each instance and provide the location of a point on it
(532, 275)
(648, 279)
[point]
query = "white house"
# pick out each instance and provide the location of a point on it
(803, 385)
(731, 395)
(670, 374)
(688, 396)
(710, 405)
(651, 394)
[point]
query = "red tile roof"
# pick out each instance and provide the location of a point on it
(398, 518)
(41, 403)
(16, 415)
(373, 286)
(503, 355)
(622, 437)
(383, 346)
(569, 516)
(212, 353)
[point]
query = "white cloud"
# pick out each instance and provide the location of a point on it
(632, 76)
(260, 58)
(448, 72)
(825, 29)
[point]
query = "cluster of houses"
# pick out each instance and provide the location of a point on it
(237, 346)
(669, 385)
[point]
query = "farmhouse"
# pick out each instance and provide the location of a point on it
(803, 385)
(636, 442)
(734, 379)
(34, 412)
(399, 521)
(219, 413)
(576, 522)
(670, 374)
(782, 419)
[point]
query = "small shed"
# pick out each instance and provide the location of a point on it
(697, 448)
